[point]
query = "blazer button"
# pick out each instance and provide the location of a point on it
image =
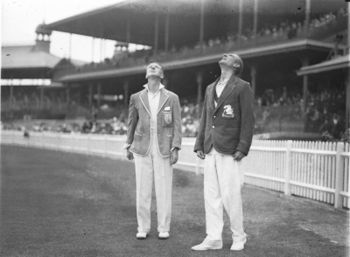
(213, 126)
(214, 117)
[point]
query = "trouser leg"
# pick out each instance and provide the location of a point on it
(212, 199)
(144, 180)
(163, 178)
(230, 180)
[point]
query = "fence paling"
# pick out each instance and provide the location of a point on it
(317, 171)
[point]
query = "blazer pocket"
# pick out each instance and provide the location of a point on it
(167, 118)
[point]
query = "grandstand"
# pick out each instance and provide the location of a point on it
(275, 38)
(28, 86)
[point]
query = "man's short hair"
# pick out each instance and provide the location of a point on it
(237, 65)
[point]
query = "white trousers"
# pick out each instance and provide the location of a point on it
(223, 179)
(146, 168)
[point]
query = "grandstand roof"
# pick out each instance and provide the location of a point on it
(337, 63)
(110, 22)
(289, 47)
(25, 56)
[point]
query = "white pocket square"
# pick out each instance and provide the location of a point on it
(167, 108)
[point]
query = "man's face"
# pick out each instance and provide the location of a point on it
(228, 60)
(154, 69)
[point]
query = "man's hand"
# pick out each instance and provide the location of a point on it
(237, 156)
(200, 154)
(174, 156)
(129, 155)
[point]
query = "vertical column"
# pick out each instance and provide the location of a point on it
(68, 94)
(126, 92)
(101, 50)
(166, 35)
(199, 80)
(347, 99)
(240, 18)
(347, 85)
(307, 15)
(41, 104)
(156, 32)
(99, 95)
(92, 49)
(11, 96)
(70, 46)
(253, 77)
(201, 25)
(127, 31)
(90, 96)
(255, 20)
(305, 62)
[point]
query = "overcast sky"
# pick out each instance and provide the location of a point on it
(19, 18)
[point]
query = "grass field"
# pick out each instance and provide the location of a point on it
(61, 204)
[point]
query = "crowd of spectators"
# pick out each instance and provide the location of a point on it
(323, 115)
(324, 111)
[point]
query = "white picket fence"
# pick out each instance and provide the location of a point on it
(314, 170)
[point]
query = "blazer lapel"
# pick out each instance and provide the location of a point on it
(226, 92)
(144, 100)
(211, 94)
(162, 99)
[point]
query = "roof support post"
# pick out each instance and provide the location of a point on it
(90, 96)
(41, 103)
(253, 78)
(347, 90)
(305, 62)
(240, 19)
(307, 16)
(255, 19)
(347, 83)
(92, 49)
(166, 35)
(156, 32)
(101, 49)
(11, 96)
(99, 95)
(127, 30)
(70, 46)
(199, 80)
(201, 25)
(126, 92)
(68, 94)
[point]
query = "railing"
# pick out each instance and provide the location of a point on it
(314, 170)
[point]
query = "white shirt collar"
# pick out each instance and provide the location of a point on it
(161, 86)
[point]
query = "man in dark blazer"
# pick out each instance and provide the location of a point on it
(223, 140)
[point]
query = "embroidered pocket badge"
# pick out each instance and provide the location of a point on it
(228, 112)
(167, 115)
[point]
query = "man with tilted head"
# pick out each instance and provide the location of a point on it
(224, 138)
(153, 139)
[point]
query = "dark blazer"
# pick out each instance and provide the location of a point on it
(229, 126)
(168, 123)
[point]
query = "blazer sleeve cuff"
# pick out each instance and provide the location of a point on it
(243, 147)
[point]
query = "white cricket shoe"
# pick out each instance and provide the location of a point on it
(141, 235)
(208, 244)
(238, 246)
(163, 235)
